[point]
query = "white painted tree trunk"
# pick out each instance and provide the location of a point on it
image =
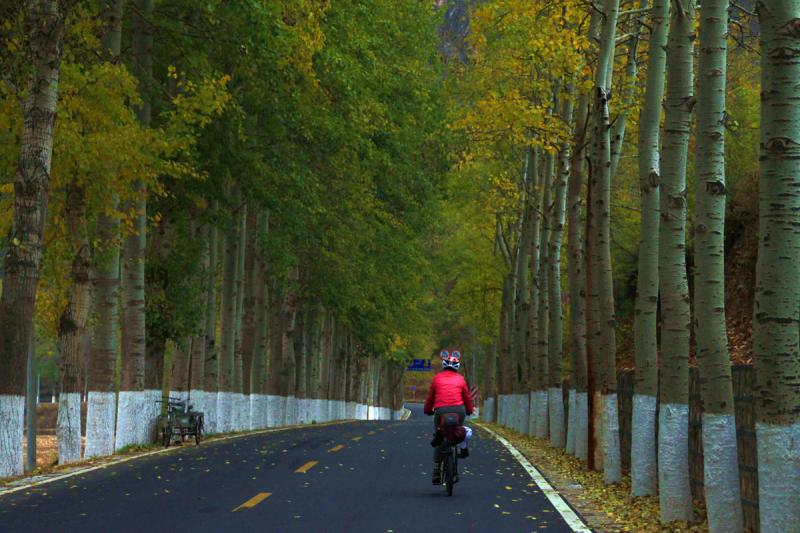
(673, 455)
(101, 412)
(12, 409)
(778, 476)
(721, 473)
(643, 447)
(555, 400)
(131, 425)
(612, 467)
(531, 414)
(582, 426)
(570, 447)
(68, 427)
(223, 412)
(542, 414)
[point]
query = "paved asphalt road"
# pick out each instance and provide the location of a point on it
(360, 476)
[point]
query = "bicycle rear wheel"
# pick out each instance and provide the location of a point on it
(449, 472)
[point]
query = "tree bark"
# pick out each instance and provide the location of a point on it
(101, 409)
(555, 395)
(23, 256)
(577, 435)
(227, 367)
(71, 327)
(776, 343)
(643, 433)
(602, 275)
(211, 366)
(135, 409)
(540, 401)
(673, 436)
(721, 456)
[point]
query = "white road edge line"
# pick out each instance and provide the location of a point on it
(563, 508)
(82, 471)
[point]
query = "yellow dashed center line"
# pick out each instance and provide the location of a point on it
(306, 467)
(255, 500)
(371, 433)
(336, 448)
(356, 439)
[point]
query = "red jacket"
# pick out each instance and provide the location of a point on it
(448, 387)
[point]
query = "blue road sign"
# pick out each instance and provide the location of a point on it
(419, 365)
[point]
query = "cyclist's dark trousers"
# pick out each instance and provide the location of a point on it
(461, 411)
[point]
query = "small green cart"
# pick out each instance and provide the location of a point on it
(180, 422)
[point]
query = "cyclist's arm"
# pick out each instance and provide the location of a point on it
(467, 399)
(428, 409)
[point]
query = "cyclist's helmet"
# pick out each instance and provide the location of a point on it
(452, 360)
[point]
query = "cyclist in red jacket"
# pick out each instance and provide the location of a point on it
(448, 394)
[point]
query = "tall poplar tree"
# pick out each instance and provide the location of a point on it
(101, 410)
(644, 477)
(720, 452)
(577, 432)
(601, 254)
(44, 23)
(675, 496)
(776, 342)
(135, 406)
(555, 398)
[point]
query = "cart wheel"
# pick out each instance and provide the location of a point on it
(198, 432)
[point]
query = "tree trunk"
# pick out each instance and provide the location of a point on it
(602, 275)
(44, 25)
(532, 332)
(211, 366)
(721, 456)
(520, 364)
(179, 371)
(71, 327)
(775, 322)
(258, 369)
(578, 403)
(643, 431)
(275, 376)
(541, 427)
(197, 356)
(252, 277)
(506, 319)
(594, 367)
(102, 401)
(240, 405)
(673, 431)
(135, 408)
(227, 367)
(555, 394)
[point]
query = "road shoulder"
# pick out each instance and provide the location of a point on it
(602, 507)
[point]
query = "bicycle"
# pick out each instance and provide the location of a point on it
(449, 466)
